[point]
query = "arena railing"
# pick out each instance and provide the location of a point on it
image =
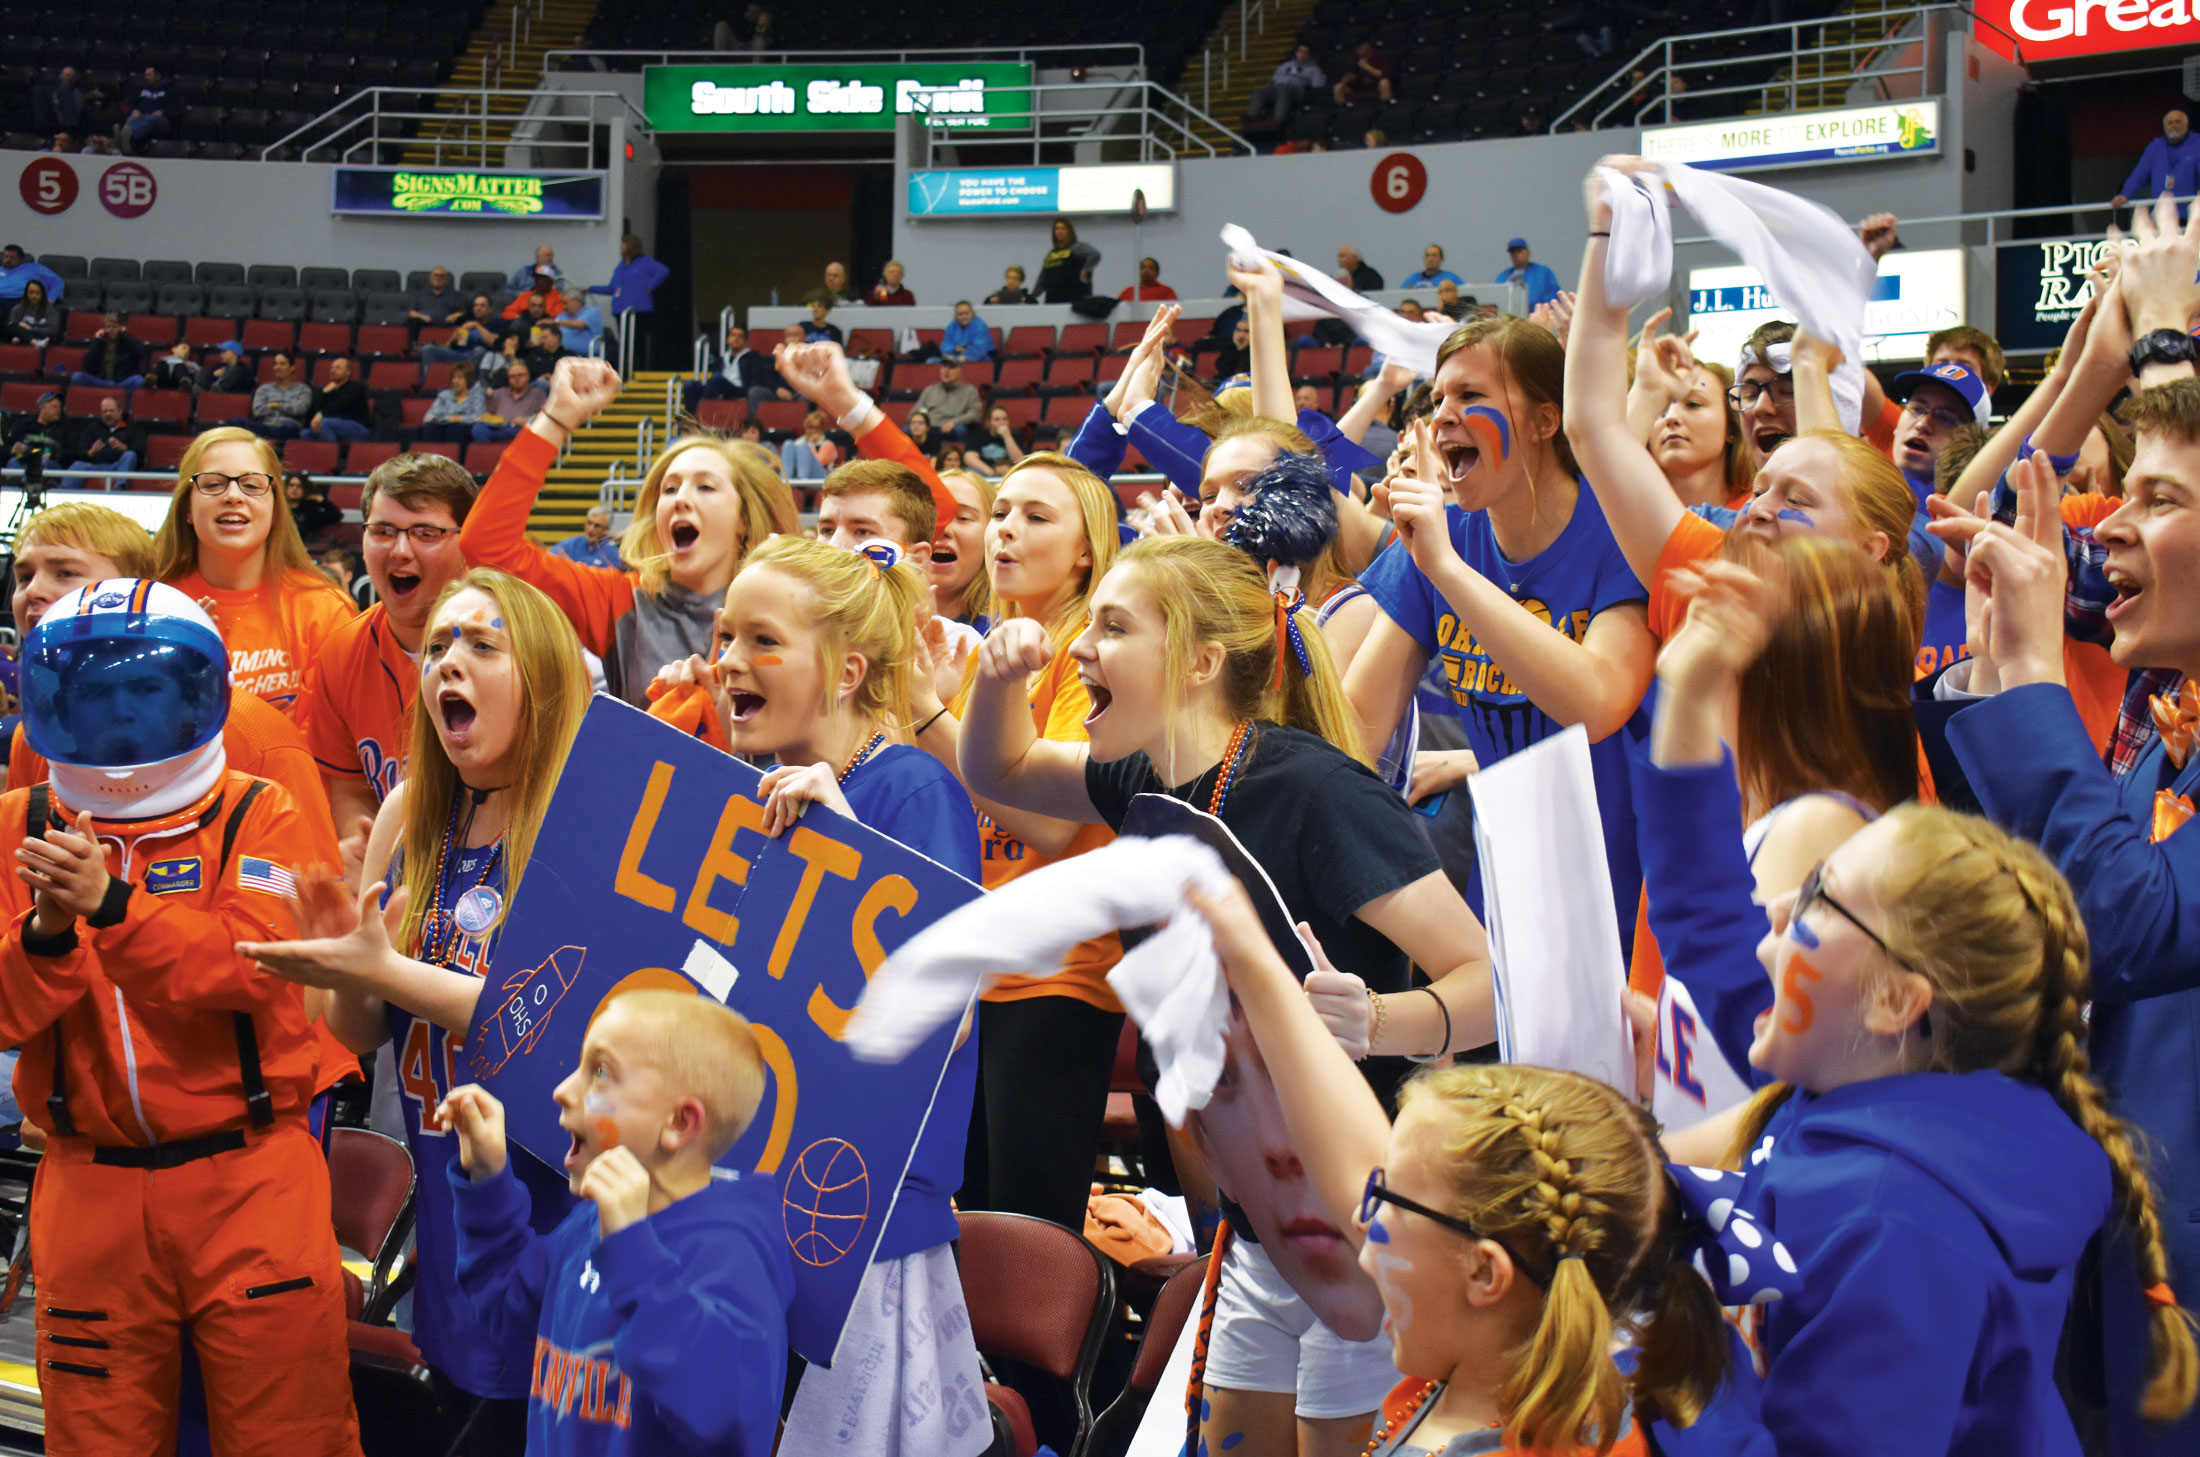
(1215, 58)
(1832, 54)
(1057, 56)
(1141, 115)
(357, 129)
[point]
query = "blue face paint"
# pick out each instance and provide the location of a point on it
(1803, 935)
(1789, 513)
(1376, 1234)
(1492, 432)
(1232, 1440)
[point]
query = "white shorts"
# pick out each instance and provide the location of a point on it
(1267, 1339)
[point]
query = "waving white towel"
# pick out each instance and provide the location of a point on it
(1170, 983)
(1810, 260)
(1309, 293)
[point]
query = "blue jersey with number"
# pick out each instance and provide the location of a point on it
(460, 936)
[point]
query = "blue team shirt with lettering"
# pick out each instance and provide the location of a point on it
(1567, 584)
(445, 1329)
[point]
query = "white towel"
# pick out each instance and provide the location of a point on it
(1170, 983)
(1310, 293)
(1810, 260)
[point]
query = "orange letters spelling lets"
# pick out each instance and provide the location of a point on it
(1791, 987)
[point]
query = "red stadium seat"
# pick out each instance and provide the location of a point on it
(482, 456)
(321, 368)
(1358, 360)
(383, 341)
(324, 338)
(20, 397)
(1126, 336)
(206, 333)
(82, 400)
(1164, 1323)
(1040, 1295)
(898, 411)
(264, 334)
(216, 409)
(342, 494)
(393, 374)
(725, 415)
(171, 407)
(371, 1189)
(1317, 364)
(1068, 411)
(438, 380)
(1111, 370)
(314, 457)
(1083, 338)
(158, 330)
(20, 361)
(362, 457)
(63, 361)
(1019, 376)
(933, 337)
(878, 343)
(782, 417)
(165, 452)
(1023, 412)
(1187, 330)
(979, 373)
(436, 447)
(1070, 372)
(415, 411)
(82, 325)
(1029, 340)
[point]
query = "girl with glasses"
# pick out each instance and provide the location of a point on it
(1927, 1125)
(1511, 1218)
(231, 545)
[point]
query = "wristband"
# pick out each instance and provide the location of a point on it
(568, 429)
(1443, 1049)
(1375, 1020)
(864, 409)
(935, 718)
(2063, 464)
(1597, 233)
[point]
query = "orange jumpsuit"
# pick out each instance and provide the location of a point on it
(167, 1198)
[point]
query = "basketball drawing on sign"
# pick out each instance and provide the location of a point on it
(519, 1023)
(827, 1200)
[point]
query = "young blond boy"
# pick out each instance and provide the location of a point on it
(661, 1311)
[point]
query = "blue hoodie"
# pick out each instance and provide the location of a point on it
(669, 1336)
(1935, 1220)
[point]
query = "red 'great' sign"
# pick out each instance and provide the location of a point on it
(2047, 29)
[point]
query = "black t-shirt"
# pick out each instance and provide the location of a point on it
(1329, 833)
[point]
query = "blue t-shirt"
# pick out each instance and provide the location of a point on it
(1566, 584)
(908, 796)
(1946, 637)
(444, 1327)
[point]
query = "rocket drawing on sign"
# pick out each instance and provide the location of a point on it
(518, 1024)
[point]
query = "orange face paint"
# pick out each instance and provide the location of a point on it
(607, 1133)
(767, 660)
(1798, 971)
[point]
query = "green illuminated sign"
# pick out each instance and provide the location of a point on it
(859, 97)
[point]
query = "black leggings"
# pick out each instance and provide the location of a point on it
(1043, 1070)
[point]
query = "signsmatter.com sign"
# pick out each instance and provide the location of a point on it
(2047, 29)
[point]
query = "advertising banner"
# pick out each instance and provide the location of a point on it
(510, 196)
(851, 96)
(1799, 139)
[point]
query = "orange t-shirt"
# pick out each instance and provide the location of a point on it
(1059, 704)
(1693, 540)
(359, 696)
(1880, 432)
(273, 631)
(2096, 683)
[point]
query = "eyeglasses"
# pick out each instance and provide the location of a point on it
(384, 531)
(214, 483)
(1813, 892)
(1745, 395)
(1945, 419)
(1377, 1194)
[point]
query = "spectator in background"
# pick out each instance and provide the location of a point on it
(147, 113)
(919, 431)
(949, 403)
(890, 291)
(1066, 274)
(436, 304)
(1307, 397)
(1289, 86)
(582, 326)
(745, 374)
(36, 318)
(836, 291)
(113, 360)
(544, 349)
(2170, 162)
(633, 289)
(279, 407)
(594, 547)
(968, 338)
(512, 405)
(1235, 357)
(1524, 273)
(523, 277)
(42, 432)
(114, 443)
(1368, 77)
(457, 408)
(821, 328)
(1451, 303)
(174, 370)
(1355, 272)
(1375, 139)
(479, 335)
(63, 143)
(17, 272)
(59, 107)
(809, 456)
(1433, 271)
(542, 298)
(1012, 289)
(228, 373)
(315, 514)
(494, 365)
(1001, 448)
(340, 408)
(1411, 310)
(1149, 288)
(98, 146)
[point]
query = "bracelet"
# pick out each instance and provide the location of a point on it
(935, 718)
(1375, 1026)
(1443, 1049)
(1596, 234)
(568, 429)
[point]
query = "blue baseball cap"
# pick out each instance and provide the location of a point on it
(1950, 374)
(1516, 243)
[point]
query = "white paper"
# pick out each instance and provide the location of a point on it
(1547, 896)
(1309, 293)
(710, 969)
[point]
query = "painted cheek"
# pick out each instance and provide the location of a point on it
(1792, 980)
(767, 660)
(1789, 513)
(1376, 1234)
(600, 1109)
(1493, 436)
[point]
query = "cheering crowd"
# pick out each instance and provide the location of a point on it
(1891, 721)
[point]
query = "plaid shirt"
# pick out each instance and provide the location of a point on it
(2086, 600)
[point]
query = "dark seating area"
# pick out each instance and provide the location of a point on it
(241, 76)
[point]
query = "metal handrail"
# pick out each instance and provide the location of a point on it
(668, 57)
(1661, 67)
(1113, 107)
(626, 343)
(1218, 50)
(364, 109)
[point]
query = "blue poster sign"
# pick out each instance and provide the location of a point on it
(979, 191)
(652, 871)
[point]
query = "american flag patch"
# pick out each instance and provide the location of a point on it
(265, 875)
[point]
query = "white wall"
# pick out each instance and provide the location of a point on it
(278, 212)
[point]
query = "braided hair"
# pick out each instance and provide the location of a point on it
(1566, 1174)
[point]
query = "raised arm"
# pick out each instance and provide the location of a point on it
(997, 750)
(1263, 290)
